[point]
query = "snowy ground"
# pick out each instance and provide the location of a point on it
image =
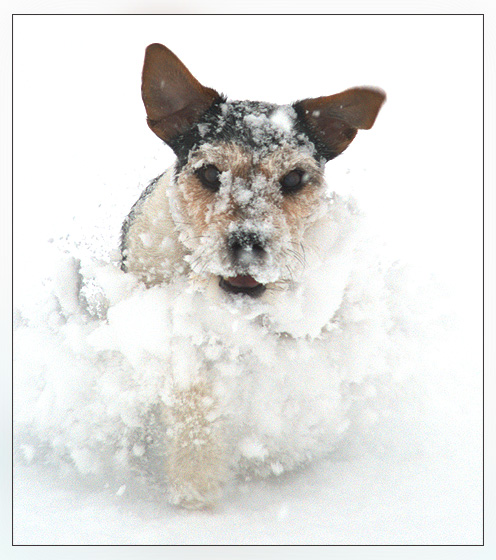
(371, 500)
(410, 482)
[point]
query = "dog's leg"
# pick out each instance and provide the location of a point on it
(196, 457)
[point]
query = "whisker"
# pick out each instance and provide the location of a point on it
(303, 252)
(196, 259)
(296, 255)
(288, 268)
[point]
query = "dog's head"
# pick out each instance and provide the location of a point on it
(249, 176)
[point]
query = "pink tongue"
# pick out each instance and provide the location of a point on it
(242, 282)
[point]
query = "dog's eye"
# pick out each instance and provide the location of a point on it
(293, 181)
(209, 175)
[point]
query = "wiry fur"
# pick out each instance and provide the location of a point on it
(179, 228)
(179, 225)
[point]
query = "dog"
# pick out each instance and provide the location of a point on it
(242, 215)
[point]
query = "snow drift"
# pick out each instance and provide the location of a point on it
(295, 378)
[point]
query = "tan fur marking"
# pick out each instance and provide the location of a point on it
(187, 221)
(154, 253)
(196, 455)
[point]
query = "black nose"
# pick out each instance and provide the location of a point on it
(246, 247)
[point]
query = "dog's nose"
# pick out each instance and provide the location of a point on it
(246, 248)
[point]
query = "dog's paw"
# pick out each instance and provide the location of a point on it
(195, 496)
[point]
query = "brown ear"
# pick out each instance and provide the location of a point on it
(334, 120)
(174, 99)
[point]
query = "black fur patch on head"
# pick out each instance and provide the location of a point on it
(183, 143)
(261, 127)
(321, 147)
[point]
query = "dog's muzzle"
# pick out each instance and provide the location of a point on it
(246, 250)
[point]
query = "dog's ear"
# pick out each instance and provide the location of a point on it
(333, 121)
(174, 99)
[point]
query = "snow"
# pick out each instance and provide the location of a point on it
(101, 367)
(329, 503)
(399, 463)
(258, 124)
(283, 118)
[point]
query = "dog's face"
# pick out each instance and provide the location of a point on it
(245, 201)
(249, 178)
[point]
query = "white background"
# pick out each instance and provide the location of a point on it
(80, 135)
(81, 138)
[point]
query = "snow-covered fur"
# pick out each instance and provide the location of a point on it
(250, 328)
(246, 220)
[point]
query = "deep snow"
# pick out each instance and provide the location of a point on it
(394, 443)
(406, 470)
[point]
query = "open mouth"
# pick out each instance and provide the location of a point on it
(242, 285)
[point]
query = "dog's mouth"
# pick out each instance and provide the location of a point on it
(246, 285)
